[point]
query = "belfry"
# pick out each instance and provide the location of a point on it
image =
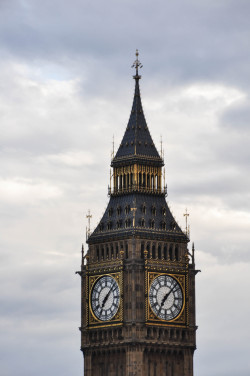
(138, 276)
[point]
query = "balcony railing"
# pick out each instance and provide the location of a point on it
(137, 188)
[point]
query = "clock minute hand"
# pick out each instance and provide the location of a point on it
(106, 297)
(166, 296)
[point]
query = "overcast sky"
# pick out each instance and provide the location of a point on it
(66, 89)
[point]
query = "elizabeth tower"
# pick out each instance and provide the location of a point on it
(138, 277)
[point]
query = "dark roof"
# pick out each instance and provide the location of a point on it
(137, 142)
(152, 216)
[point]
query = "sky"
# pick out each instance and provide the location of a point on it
(66, 89)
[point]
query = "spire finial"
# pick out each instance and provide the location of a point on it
(137, 64)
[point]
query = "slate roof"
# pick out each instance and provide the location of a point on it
(117, 220)
(137, 142)
(153, 218)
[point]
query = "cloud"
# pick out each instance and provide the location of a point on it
(72, 159)
(180, 43)
(27, 191)
(219, 295)
(236, 117)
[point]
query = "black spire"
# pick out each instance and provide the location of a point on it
(137, 142)
(137, 202)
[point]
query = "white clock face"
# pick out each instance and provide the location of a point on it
(105, 298)
(166, 297)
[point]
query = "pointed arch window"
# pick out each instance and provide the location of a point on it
(177, 252)
(142, 222)
(127, 223)
(148, 250)
(164, 210)
(143, 209)
(156, 182)
(159, 252)
(165, 252)
(109, 225)
(124, 181)
(131, 180)
(173, 225)
(171, 252)
(152, 223)
(153, 252)
(119, 210)
(152, 182)
(163, 225)
(128, 181)
(140, 179)
(153, 210)
(119, 224)
(110, 212)
(127, 209)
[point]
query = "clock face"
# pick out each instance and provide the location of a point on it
(105, 298)
(166, 297)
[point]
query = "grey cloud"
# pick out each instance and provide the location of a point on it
(186, 41)
(237, 118)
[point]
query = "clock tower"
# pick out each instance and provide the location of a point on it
(138, 276)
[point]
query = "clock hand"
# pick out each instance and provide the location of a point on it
(106, 297)
(166, 296)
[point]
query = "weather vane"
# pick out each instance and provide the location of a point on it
(137, 64)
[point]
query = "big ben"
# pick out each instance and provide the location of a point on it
(138, 276)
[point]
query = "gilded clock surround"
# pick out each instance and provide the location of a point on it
(92, 320)
(182, 317)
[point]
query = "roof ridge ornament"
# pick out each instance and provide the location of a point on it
(137, 64)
